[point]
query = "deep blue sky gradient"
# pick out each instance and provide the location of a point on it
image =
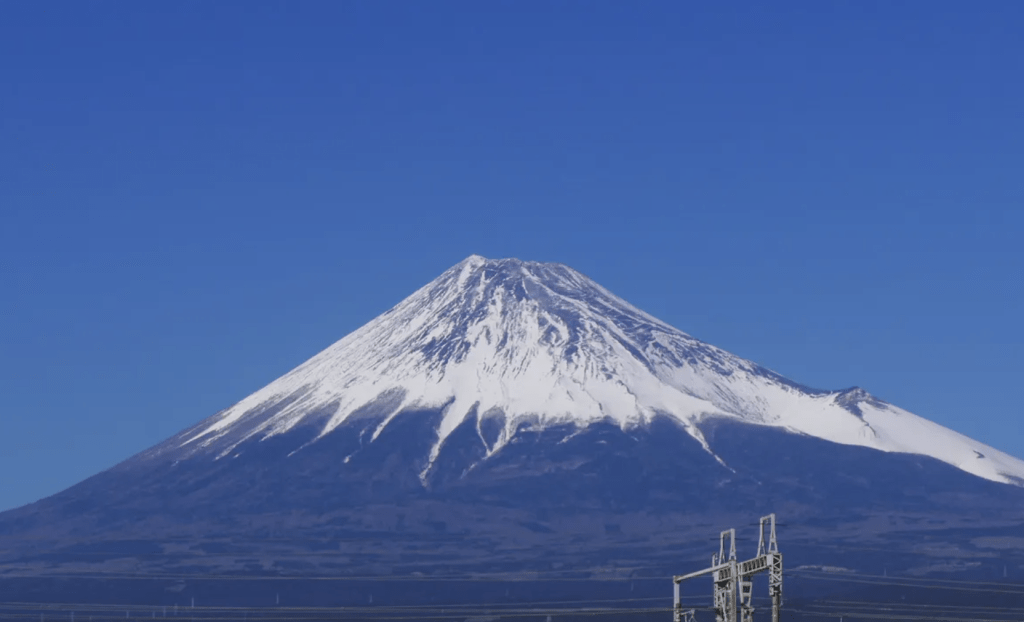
(195, 196)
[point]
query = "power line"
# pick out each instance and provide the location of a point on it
(807, 571)
(425, 614)
(525, 576)
(892, 616)
(903, 582)
(531, 604)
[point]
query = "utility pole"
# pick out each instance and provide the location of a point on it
(733, 580)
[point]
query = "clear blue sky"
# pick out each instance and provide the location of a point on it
(197, 196)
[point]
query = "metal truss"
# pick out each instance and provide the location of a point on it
(733, 579)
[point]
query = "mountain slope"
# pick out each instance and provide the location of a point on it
(536, 345)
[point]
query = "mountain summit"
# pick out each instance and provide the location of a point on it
(516, 345)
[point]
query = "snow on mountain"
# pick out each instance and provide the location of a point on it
(535, 344)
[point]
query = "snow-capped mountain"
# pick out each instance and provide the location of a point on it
(514, 417)
(525, 345)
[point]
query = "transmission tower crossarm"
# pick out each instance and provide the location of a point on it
(700, 573)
